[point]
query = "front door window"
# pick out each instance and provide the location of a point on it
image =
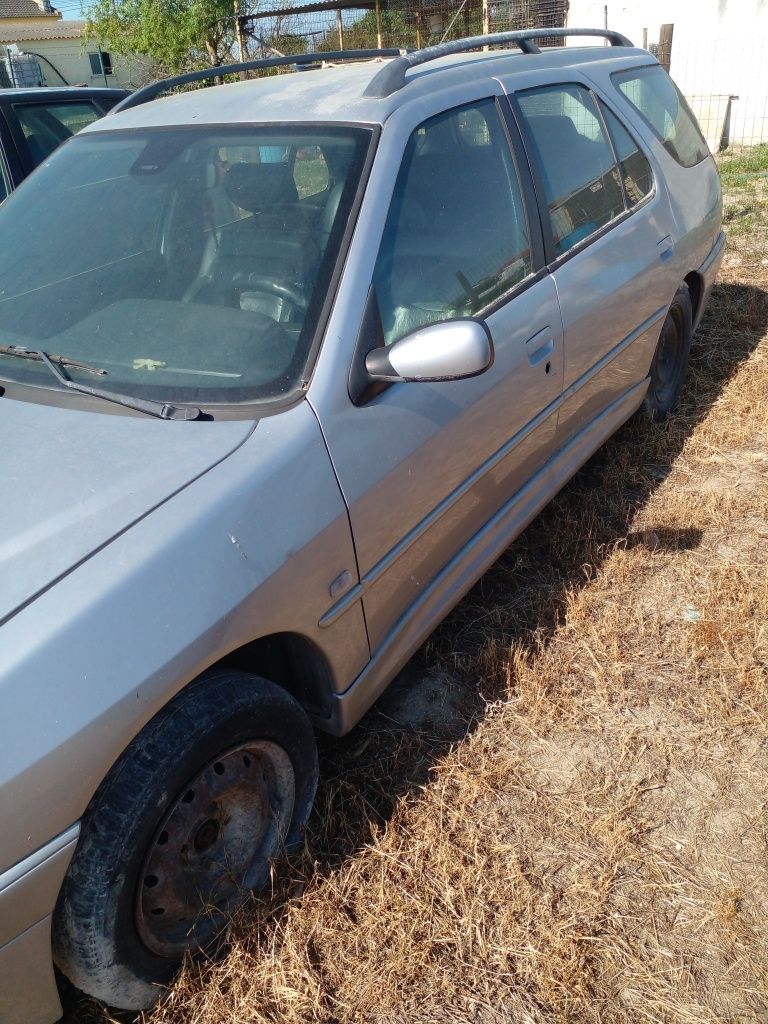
(456, 237)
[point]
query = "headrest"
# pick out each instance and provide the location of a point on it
(257, 187)
(441, 136)
(552, 130)
(338, 159)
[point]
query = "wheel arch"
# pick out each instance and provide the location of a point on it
(695, 284)
(293, 662)
(288, 659)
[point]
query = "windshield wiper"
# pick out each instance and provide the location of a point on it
(32, 353)
(162, 410)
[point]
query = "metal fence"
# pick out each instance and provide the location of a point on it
(726, 84)
(375, 23)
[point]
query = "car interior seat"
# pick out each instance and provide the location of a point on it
(262, 261)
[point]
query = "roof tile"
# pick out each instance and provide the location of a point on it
(25, 9)
(43, 30)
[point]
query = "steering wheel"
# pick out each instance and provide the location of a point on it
(261, 283)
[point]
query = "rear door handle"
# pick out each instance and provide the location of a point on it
(540, 345)
(666, 248)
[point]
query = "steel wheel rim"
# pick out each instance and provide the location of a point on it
(213, 846)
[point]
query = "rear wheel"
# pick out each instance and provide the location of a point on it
(217, 786)
(670, 361)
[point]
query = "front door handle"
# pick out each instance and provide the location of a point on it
(540, 346)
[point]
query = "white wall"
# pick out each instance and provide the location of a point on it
(70, 57)
(719, 50)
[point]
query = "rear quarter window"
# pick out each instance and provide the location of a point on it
(662, 106)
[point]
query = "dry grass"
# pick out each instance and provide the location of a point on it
(559, 813)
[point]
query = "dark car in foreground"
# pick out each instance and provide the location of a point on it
(35, 122)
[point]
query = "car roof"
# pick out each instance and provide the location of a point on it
(335, 93)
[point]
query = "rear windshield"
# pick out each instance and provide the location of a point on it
(190, 265)
(653, 93)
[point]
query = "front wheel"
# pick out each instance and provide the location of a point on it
(217, 786)
(670, 360)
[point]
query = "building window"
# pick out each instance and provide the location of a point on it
(101, 63)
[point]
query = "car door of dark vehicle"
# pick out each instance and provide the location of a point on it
(5, 177)
(424, 466)
(9, 156)
(41, 127)
(607, 233)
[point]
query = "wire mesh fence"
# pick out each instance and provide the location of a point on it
(726, 84)
(403, 23)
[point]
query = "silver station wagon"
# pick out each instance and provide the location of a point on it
(285, 365)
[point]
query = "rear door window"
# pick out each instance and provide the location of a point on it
(456, 237)
(575, 161)
(635, 170)
(660, 103)
(46, 125)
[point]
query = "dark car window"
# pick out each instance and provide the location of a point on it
(46, 125)
(5, 183)
(456, 237)
(635, 169)
(653, 93)
(575, 161)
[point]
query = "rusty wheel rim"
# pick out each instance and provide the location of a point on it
(213, 846)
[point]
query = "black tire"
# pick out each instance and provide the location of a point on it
(670, 360)
(245, 750)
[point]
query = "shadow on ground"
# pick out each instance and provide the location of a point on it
(441, 695)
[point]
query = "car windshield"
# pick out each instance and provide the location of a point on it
(192, 265)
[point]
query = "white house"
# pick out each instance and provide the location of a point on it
(60, 47)
(719, 56)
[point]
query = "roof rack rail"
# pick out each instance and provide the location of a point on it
(391, 78)
(149, 92)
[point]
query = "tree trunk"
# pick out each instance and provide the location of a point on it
(213, 56)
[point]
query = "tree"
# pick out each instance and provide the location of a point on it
(176, 35)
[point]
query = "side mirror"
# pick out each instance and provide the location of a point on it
(451, 350)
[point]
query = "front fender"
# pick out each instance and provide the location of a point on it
(247, 550)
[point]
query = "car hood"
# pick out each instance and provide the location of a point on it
(73, 480)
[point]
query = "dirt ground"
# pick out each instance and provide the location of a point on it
(558, 812)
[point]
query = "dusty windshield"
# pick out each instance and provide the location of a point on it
(191, 265)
